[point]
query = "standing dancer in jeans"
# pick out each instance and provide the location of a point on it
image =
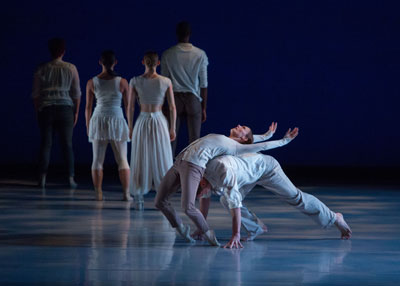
(56, 97)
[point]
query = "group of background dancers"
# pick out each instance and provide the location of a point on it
(226, 165)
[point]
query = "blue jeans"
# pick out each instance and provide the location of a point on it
(60, 119)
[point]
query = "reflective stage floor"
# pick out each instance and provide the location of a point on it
(63, 237)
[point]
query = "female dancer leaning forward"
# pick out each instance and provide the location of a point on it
(107, 123)
(151, 155)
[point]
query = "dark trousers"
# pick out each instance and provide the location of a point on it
(60, 119)
(188, 107)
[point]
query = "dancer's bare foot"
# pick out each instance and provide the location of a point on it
(342, 226)
(263, 226)
(252, 235)
(99, 195)
(126, 196)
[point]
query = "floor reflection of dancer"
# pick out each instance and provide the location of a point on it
(233, 178)
(188, 170)
(107, 123)
(56, 96)
(151, 155)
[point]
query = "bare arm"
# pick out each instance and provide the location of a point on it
(204, 206)
(124, 88)
(131, 108)
(203, 95)
(75, 93)
(77, 104)
(89, 103)
(172, 112)
(236, 221)
(203, 80)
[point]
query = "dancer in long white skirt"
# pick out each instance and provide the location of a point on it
(107, 123)
(151, 155)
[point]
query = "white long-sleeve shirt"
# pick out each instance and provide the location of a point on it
(56, 83)
(233, 177)
(208, 147)
(186, 66)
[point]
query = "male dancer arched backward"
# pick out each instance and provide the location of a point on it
(234, 177)
(189, 167)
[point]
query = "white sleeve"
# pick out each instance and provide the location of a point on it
(262, 137)
(132, 82)
(75, 91)
(230, 189)
(254, 148)
(164, 67)
(233, 197)
(203, 72)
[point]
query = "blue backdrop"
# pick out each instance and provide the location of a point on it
(329, 67)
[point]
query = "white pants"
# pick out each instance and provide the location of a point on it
(276, 181)
(119, 149)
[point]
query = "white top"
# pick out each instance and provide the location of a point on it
(262, 137)
(107, 121)
(228, 175)
(108, 96)
(186, 66)
(150, 90)
(56, 83)
(208, 147)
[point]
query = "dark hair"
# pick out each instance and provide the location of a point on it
(56, 47)
(183, 30)
(250, 138)
(150, 59)
(108, 59)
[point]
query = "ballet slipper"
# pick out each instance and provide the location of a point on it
(211, 238)
(184, 232)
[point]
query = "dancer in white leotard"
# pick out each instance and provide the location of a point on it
(107, 123)
(151, 155)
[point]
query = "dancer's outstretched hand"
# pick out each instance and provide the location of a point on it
(234, 242)
(272, 127)
(291, 134)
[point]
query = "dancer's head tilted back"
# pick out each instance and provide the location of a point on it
(183, 32)
(56, 47)
(242, 134)
(108, 61)
(150, 60)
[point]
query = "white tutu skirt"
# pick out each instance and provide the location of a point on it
(106, 126)
(151, 155)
